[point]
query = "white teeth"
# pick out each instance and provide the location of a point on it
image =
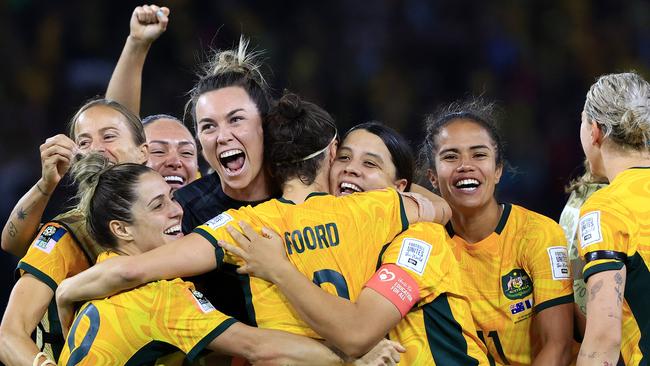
(173, 230)
(232, 152)
(174, 179)
(351, 186)
(465, 182)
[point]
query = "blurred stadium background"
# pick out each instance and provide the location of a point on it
(387, 60)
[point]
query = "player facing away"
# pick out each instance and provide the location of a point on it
(130, 210)
(415, 295)
(614, 230)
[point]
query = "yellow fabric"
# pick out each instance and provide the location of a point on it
(326, 235)
(424, 251)
(52, 257)
(508, 273)
(617, 218)
(128, 325)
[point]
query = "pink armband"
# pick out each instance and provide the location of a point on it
(396, 285)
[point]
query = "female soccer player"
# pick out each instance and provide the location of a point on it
(62, 247)
(227, 105)
(172, 150)
(613, 229)
(128, 208)
(435, 324)
(315, 230)
(513, 261)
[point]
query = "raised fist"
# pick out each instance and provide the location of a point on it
(148, 22)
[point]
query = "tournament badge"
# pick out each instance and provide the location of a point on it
(204, 304)
(48, 238)
(516, 284)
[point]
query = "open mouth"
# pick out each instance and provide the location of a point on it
(349, 188)
(174, 231)
(467, 185)
(174, 180)
(232, 161)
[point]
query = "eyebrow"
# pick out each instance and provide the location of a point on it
(234, 111)
(365, 153)
(163, 142)
(475, 147)
(229, 114)
(101, 130)
(155, 198)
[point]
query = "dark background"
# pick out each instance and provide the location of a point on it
(389, 60)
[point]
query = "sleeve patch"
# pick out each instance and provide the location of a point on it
(414, 255)
(204, 304)
(219, 221)
(48, 238)
(559, 263)
(397, 286)
(589, 227)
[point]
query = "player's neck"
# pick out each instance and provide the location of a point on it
(296, 191)
(477, 224)
(128, 248)
(616, 162)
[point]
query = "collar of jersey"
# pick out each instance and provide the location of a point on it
(312, 194)
(507, 207)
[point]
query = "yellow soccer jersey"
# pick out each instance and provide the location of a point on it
(138, 326)
(614, 231)
(439, 330)
(326, 238)
(52, 257)
(520, 269)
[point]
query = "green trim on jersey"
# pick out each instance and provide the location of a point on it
(566, 299)
(196, 350)
(402, 213)
(507, 207)
(38, 274)
(445, 335)
(602, 267)
(149, 353)
(637, 288)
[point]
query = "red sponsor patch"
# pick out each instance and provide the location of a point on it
(396, 285)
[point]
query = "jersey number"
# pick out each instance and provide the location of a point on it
(335, 278)
(77, 354)
(497, 344)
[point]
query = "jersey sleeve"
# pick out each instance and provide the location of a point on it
(185, 318)
(547, 263)
(215, 230)
(53, 256)
(604, 232)
(382, 211)
(422, 251)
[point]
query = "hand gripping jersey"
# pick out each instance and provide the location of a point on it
(520, 269)
(614, 232)
(326, 237)
(61, 250)
(439, 329)
(138, 326)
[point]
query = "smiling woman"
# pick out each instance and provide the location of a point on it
(172, 150)
(513, 261)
